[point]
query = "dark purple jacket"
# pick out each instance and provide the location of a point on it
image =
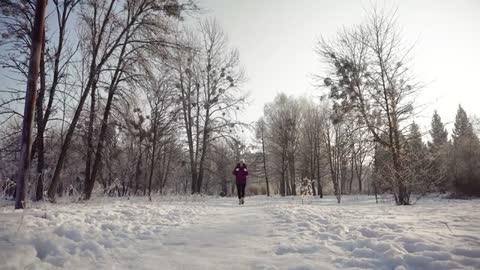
(240, 174)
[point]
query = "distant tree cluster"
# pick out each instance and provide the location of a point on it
(304, 149)
(306, 152)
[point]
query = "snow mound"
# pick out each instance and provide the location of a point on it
(84, 234)
(436, 234)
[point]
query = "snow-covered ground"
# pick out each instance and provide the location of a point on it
(265, 233)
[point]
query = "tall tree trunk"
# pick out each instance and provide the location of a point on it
(319, 185)
(138, 170)
(152, 158)
(191, 152)
(312, 170)
(201, 171)
(359, 172)
(282, 178)
(265, 164)
(40, 170)
(403, 193)
(39, 142)
(352, 174)
(166, 170)
(161, 175)
(317, 165)
(343, 175)
(100, 144)
(292, 176)
(287, 184)
(30, 99)
(188, 121)
(145, 176)
(224, 183)
(206, 135)
(66, 143)
(194, 177)
(62, 24)
(103, 130)
(88, 162)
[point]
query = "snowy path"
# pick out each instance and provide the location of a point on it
(265, 233)
(229, 237)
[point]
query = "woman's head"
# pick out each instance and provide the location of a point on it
(242, 161)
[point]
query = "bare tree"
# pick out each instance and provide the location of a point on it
(30, 99)
(61, 61)
(283, 121)
(362, 150)
(163, 116)
(370, 76)
(208, 78)
(222, 157)
(260, 135)
(313, 150)
(337, 142)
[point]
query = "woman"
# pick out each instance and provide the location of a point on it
(241, 173)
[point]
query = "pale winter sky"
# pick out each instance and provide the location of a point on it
(276, 40)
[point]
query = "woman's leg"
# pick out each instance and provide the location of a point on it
(239, 191)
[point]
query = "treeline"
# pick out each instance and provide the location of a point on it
(304, 144)
(133, 97)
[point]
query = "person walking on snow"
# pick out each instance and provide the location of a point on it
(241, 173)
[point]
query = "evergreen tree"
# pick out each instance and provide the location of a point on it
(438, 132)
(418, 161)
(381, 169)
(463, 128)
(439, 148)
(415, 140)
(465, 162)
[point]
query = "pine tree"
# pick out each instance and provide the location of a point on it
(463, 127)
(415, 140)
(418, 161)
(381, 169)
(438, 132)
(439, 148)
(465, 162)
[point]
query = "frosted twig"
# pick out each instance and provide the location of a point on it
(446, 224)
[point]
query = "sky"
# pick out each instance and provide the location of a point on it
(276, 40)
